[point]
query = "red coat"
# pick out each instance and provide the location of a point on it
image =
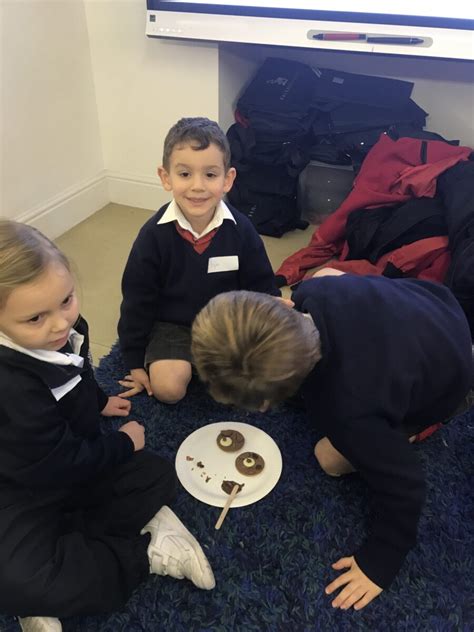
(393, 172)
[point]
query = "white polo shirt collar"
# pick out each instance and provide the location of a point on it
(174, 214)
(53, 357)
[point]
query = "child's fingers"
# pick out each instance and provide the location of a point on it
(344, 562)
(345, 598)
(342, 580)
(135, 386)
(366, 599)
(357, 589)
(146, 384)
(121, 412)
(351, 594)
(131, 392)
(123, 407)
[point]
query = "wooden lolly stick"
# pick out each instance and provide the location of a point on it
(226, 508)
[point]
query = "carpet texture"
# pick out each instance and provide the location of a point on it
(272, 559)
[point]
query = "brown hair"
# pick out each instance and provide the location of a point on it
(24, 255)
(198, 131)
(250, 348)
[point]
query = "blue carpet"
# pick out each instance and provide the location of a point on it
(272, 559)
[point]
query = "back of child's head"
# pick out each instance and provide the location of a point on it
(25, 253)
(199, 132)
(252, 349)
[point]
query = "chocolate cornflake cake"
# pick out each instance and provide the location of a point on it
(230, 440)
(249, 463)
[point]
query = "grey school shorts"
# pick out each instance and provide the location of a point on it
(168, 342)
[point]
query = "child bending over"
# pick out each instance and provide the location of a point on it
(83, 518)
(191, 250)
(378, 361)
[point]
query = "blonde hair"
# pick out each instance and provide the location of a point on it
(251, 348)
(25, 253)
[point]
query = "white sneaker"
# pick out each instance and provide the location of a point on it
(40, 624)
(175, 552)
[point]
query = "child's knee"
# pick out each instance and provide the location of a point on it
(330, 460)
(169, 390)
(169, 380)
(169, 393)
(326, 463)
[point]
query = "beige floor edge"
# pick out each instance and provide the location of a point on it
(98, 249)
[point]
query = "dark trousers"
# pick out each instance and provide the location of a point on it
(82, 555)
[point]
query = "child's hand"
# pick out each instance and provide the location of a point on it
(136, 382)
(116, 407)
(136, 432)
(359, 589)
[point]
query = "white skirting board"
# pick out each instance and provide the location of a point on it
(135, 190)
(67, 209)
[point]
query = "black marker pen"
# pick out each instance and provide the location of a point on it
(395, 40)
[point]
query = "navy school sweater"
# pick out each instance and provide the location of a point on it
(165, 279)
(50, 446)
(396, 358)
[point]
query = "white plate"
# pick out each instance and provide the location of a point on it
(204, 483)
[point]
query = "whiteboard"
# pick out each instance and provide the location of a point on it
(423, 28)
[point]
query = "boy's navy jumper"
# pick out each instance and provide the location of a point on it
(396, 358)
(165, 279)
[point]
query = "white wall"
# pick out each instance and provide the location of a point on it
(88, 98)
(52, 165)
(87, 101)
(143, 87)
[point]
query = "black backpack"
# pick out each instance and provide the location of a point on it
(266, 182)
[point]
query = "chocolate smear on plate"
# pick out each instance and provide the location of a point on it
(228, 486)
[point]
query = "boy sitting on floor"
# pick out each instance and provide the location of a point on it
(191, 250)
(378, 361)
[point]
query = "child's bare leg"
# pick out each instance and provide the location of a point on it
(330, 460)
(169, 379)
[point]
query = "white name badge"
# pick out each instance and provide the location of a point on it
(223, 264)
(60, 391)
